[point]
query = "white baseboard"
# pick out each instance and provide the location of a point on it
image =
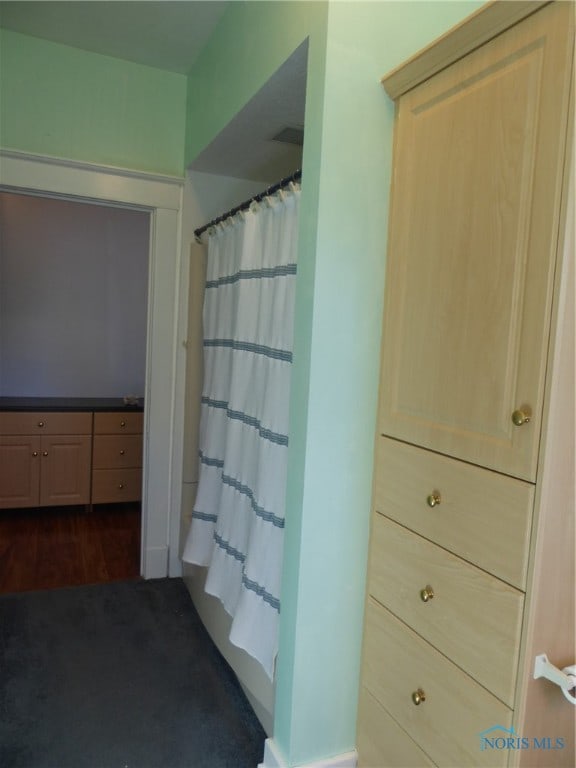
(273, 758)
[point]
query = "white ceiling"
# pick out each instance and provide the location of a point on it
(170, 35)
(167, 35)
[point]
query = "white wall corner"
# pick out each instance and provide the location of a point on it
(273, 758)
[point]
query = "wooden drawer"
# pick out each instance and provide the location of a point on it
(473, 618)
(118, 423)
(448, 724)
(117, 451)
(45, 423)
(381, 741)
(482, 516)
(116, 485)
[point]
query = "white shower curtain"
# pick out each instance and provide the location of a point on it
(238, 518)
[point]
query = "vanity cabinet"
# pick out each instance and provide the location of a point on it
(462, 542)
(117, 458)
(62, 457)
(45, 459)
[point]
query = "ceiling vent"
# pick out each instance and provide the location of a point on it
(290, 135)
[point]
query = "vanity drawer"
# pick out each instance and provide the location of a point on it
(117, 451)
(381, 741)
(116, 485)
(456, 710)
(481, 516)
(118, 423)
(45, 423)
(472, 617)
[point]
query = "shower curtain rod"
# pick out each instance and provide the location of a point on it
(296, 176)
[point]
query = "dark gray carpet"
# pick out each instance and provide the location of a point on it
(118, 676)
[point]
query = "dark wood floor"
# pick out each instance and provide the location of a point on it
(53, 547)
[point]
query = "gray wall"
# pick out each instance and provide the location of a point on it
(73, 298)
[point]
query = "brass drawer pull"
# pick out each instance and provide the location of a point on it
(434, 499)
(120, 486)
(122, 423)
(122, 452)
(522, 416)
(40, 423)
(418, 697)
(427, 593)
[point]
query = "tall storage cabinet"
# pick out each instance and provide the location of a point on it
(475, 306)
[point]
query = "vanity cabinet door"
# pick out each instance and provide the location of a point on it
(19, 471)
(65, 469)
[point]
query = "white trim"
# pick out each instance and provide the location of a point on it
(44, 174)
(86, 166)
(161, 196)
(273, 758)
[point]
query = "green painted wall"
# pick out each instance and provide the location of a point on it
(60, 101)
(250, 43)
(347, 162)
(332, 436)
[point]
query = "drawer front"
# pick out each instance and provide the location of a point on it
(472, 617)
(381, 741)
(482, 516)
(117, 451)
(447, 725)
(45, 423)
(116, 485)
(118, 423)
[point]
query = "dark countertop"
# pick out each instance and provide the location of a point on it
(68, 404)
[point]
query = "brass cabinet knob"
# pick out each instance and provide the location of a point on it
(418, 696)
(434, 499)
(44, 453)
(521, 416)
(122, 423)
(427, 593)
(40, 423)
(34, 453)
(120, 486)
(122, 452)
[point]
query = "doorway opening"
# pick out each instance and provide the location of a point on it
(73, 326)
(158, 199)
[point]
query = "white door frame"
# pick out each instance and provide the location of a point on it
(161, 196)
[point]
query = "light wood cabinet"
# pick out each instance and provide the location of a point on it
(50, 458)
(117, 458)
(45, 459)
(470, 501)
(19, 471)
(479, 160)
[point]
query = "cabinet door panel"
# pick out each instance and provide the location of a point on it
(473, 230)
(65, 470)
(19, 471)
